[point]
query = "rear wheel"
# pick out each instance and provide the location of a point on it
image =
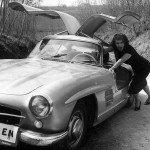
(77, 126)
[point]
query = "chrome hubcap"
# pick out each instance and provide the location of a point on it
(75, 129)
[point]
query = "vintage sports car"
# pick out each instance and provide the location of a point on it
(64, 86)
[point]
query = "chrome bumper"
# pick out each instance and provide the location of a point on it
(39, 139)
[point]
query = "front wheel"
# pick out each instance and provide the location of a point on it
(77, 126)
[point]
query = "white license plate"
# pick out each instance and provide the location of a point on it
(8, 134)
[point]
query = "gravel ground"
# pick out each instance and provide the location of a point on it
(126, 130)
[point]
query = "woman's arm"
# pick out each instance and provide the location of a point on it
(120, 61)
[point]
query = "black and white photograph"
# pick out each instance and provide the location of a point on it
(75, 74)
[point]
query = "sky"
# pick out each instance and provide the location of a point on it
(58, 2)
(66, 2)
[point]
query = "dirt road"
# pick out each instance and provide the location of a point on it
(126, 130)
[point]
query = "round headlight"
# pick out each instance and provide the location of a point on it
(40, 106)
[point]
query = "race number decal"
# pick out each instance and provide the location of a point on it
(108, 97)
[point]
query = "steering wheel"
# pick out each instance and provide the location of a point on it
(84, 57)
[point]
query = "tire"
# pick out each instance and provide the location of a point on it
(77, 126)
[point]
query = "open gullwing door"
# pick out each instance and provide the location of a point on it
(93, 23)
(71, 23)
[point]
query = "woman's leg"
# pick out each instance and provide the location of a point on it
(137, 100)
(147, 90)
(138, 83)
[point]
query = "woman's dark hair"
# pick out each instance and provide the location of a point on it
(119, 36)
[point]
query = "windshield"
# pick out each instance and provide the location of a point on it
(64, 49)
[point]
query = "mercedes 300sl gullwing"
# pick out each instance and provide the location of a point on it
(63, 87)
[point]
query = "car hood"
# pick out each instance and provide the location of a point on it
(93, 23)
(71, 23)
(23, 76)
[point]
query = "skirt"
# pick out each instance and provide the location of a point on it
(138, 82)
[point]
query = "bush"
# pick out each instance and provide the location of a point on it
(14, 48)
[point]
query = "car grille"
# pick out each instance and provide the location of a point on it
(9, 116)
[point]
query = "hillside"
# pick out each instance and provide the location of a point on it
(142, 44)
(14, 48)
(11, 47)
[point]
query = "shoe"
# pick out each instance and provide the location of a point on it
(147, 101)
(138, 108)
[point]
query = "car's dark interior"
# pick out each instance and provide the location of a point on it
(123, 73)
(123, 76)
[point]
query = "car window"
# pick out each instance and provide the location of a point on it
(83, 49)
(64, 49)
(112, 57)
(108, 60)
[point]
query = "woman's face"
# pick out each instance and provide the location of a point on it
(119, 44)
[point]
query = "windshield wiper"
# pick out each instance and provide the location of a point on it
(59, 55)
(55, 59)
